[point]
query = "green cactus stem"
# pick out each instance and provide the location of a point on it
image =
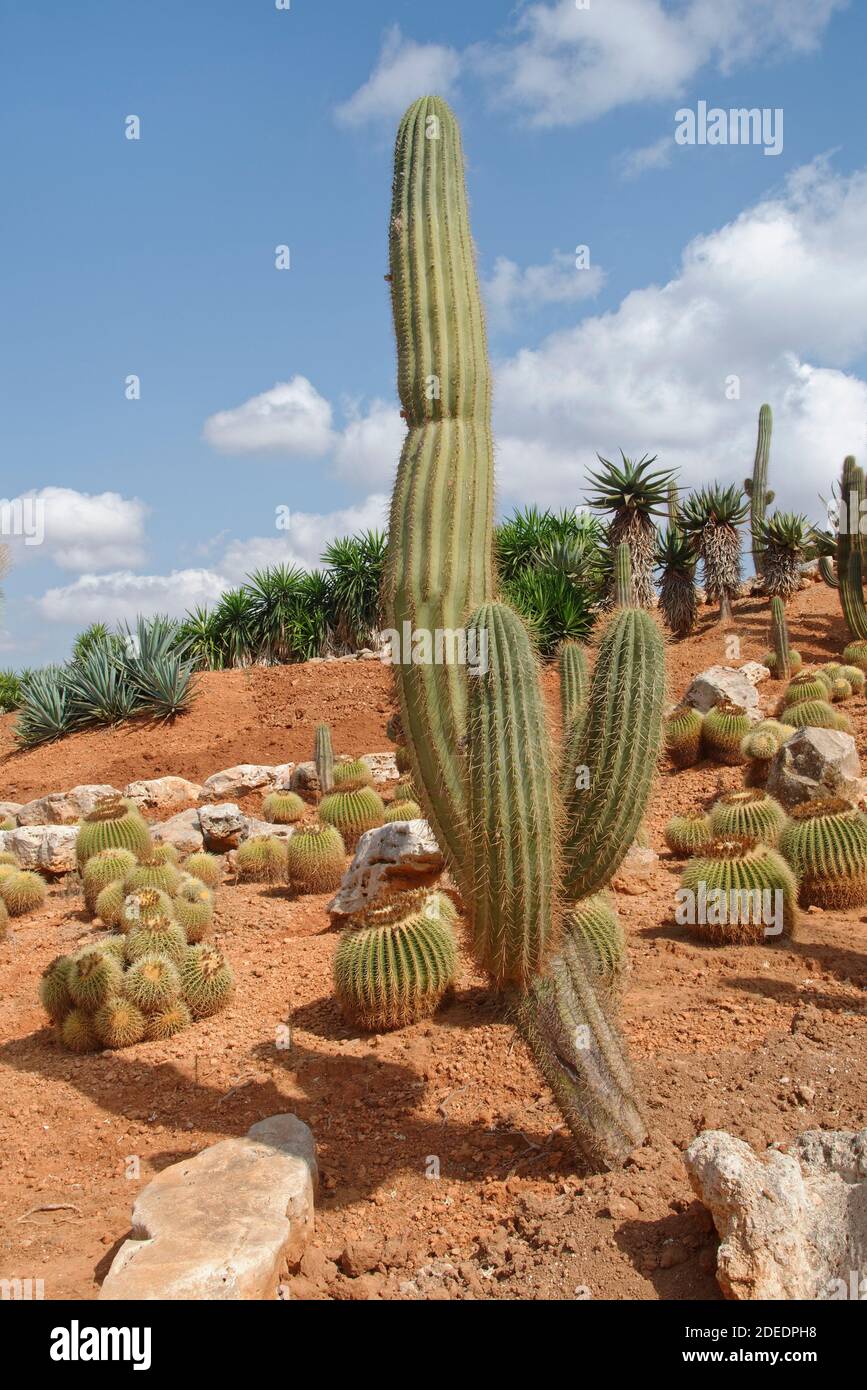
(573, 683)
(323, 758)
(686, 833)
(683, 736)
(826, 844)
(754, 872)
(756, 487)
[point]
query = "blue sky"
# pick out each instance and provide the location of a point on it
(263, 388)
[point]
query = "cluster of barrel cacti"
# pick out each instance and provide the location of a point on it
(156, 973)
(690, 735)
(526, 845)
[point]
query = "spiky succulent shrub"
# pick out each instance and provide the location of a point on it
(686, 833)
(480, 759)
(348, 777)
(723, 729)
(112, 824)
(783, 662)
(595, 928)
(54, 993)
(826, 844)
(676, 561)
(204, 866)
(402, 810)
(160, 936)
(734, 883)
(315, 859)
(22, 891)
(174, 1018)
(152, 982)
(786, 543)
(261, 859)
(841, 690)
(45, 708)
(105, 867)
(856, 655)
(750, 814)
(633, 495)
(855, 676)
(109, 904)
(683, 736)
(207, 980)
(77, 1032)
(395, 963)
(817, 714)
(93, 975)
(352, 812)
(756, 487)
(323, 758)
(710, 520)
(141, 908)
(193, 908)
(806, 686)
(119, 1023)
(283, 808)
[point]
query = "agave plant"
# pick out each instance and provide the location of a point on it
(710, 520)
(355, 567)
(98, 688)
(554, 608)
(45, 708)
(633, 494)
(677, 597)
(10, 690)
(787, 543)
(156, 667)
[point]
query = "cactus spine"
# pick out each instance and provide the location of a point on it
(323, 757)
(476, 744)
(756, 487)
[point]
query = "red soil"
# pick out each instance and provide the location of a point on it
(763, 1041)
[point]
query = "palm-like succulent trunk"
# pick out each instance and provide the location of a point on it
(721, 556)
(678, 601)
(638, 532)
(781, 572)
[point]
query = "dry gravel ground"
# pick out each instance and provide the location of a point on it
(763, 1041)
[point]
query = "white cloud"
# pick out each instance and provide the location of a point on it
(80, 530)
(113, 598)
(512, 289)
(404, 71)
(778, 297)
(369, 446)
(305, 538)
(634, 163)
(291, 419)
(561, 65)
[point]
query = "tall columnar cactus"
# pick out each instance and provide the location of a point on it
(850, 549)
(756, 487)
(573, 683)
(477, 745)
(783, 666)
(323, 757)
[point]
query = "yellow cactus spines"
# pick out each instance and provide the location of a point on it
(315, 859)
(753, 814)
(112, 824)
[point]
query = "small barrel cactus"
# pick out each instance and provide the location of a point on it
(119, 1023)
(826, 844)
(93, 975)
(686, 833)
(817, 714)
(402, 810)
(261, 859)
(352, 812)
(161, 936)
(152, 982)
(193, 907)
(394, 965)
(54, 993)
(141, 908)
(855, 676)
(813, 687)
(724, 727)
(404, 791)
(22, 891)
(348, 777)
(207, 980)
(856, 655)
(750, 814)
(683, 736)
(841, 690)
(163, 852)
(112, 824)
(109, 905)
(105, 867)
(315, 859)
(596, 929)
(78, 1033)
(738, 891)
(164, 1024)
(283, 808)
(204, 866)
(152, 872)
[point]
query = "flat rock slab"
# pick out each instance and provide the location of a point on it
(222, 1225)
(233, 781)
(162, 793)
(49, 848)
(720, 683)
(402, 851)
(182, 830)
(64, 808)
(791, 1225)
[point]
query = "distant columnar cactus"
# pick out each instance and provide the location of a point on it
(683, 736)
(480, 759)
(740, 891)
(751, 814)
(323, 758)
(395, 963)
(315, 859)
(724, 727)
(783, 661)
(826, 844)
(574, 683)
(850, 550)
(112, 824)
(756, 487)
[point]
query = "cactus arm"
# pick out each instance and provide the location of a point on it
(624, 591)
(573, 682)
(618, 743)
(826, 570)
(440, 552)
(514, 816)
(756, 487)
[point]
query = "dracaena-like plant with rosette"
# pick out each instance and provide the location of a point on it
(524, 836)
